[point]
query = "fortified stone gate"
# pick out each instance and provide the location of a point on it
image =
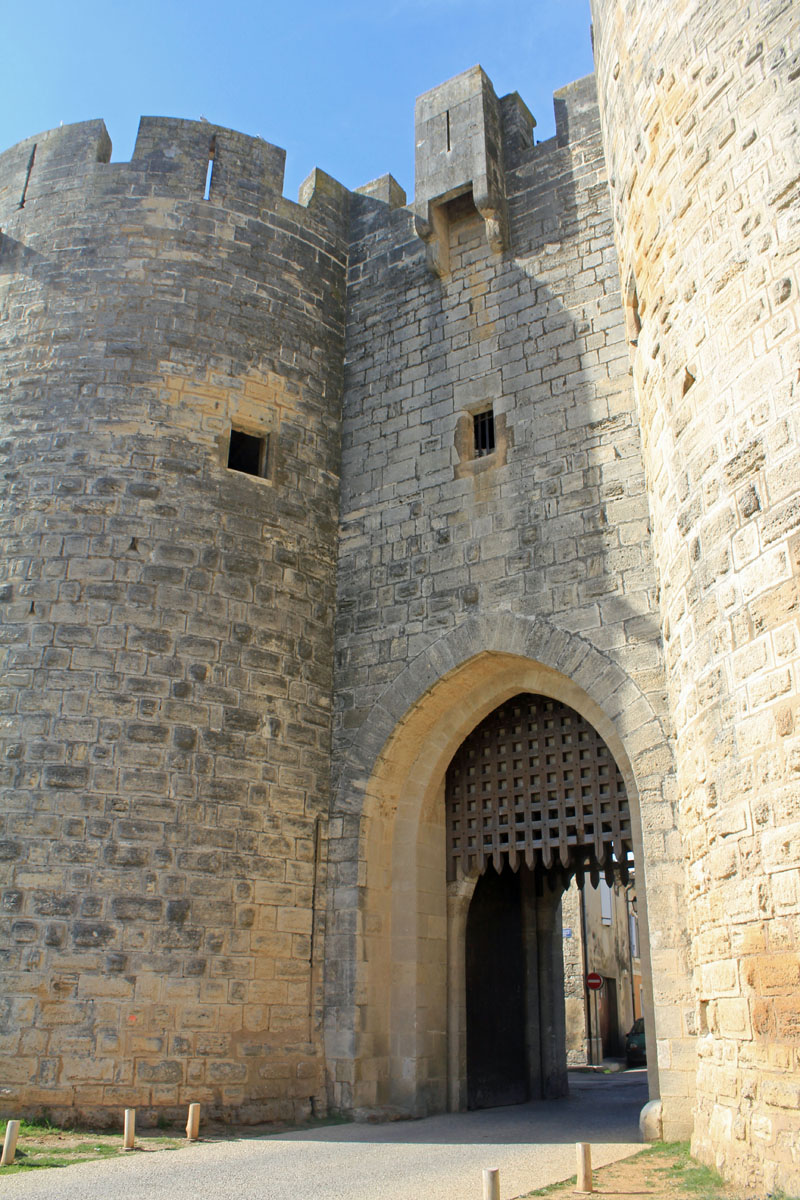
(299, 500)
(469, 574)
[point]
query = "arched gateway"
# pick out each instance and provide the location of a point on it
(534, 799)
(396, 1019)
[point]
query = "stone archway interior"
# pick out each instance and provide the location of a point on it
(533, 798)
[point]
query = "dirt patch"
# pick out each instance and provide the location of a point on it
(660, 1172)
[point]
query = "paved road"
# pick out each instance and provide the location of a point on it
(440, 1158)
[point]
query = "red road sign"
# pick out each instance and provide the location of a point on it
(594, 981)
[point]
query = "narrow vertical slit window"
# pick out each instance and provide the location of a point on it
(633, 321)
(31, 161)
(447, 127)
(248, 453)
(483, 430)
(212, 149)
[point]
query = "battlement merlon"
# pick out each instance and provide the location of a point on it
(179, 151)
(386, 189)
(459, 147)
(576, 110)
(46, 161)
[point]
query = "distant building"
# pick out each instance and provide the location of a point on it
(601, 936)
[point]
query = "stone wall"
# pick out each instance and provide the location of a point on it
(167, 622)
(700, 107)
(439, 550)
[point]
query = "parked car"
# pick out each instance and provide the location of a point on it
(635, 1051)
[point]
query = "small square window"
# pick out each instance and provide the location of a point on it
(248, 453)
(481, 439)
(483, 431)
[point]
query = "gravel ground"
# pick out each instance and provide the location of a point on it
(439, 1158)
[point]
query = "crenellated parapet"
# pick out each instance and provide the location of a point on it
(185, 160)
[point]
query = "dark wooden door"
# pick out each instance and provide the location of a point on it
(609, 1019)
(496, 1055)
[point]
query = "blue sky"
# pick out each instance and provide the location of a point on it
(333, 83)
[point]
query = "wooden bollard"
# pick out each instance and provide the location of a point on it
(491, 1183)
(129, 1134)
(584, 1166)
(193, 1123)
(10, 1144)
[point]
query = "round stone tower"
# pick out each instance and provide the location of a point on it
(699, 105)
(170, 355)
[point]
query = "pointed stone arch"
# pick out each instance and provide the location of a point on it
(386, 989)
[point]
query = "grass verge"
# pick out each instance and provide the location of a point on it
(41, 1144)
(689, 1177)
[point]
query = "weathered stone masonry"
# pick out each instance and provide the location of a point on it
(167, 622)
(700, 106)
(229, 700)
